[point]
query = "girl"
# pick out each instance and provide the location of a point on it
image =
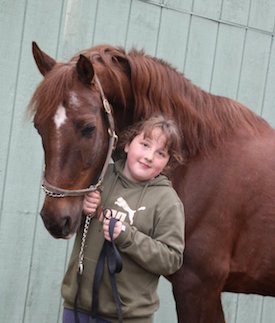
(149, 233)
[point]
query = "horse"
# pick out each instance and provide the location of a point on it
(227, 185)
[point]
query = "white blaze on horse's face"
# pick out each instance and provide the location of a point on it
(60, 116)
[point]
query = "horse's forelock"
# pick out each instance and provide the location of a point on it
(111, 60)
(51, 92)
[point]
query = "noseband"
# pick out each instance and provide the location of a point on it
(58, 192)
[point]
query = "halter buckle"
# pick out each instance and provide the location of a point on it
(106, 106)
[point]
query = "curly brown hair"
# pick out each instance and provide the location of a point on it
(170, 131)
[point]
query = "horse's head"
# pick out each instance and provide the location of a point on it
(70, 118)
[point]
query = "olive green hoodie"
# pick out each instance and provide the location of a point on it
(151, 245)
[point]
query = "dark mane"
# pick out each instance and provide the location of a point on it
(205, 119)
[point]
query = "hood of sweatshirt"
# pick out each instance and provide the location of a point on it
(140, 188)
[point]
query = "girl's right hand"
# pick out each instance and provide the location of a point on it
(91, 202)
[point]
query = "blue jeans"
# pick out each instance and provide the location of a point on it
(68, 316)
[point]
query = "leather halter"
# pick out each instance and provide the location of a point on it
(57, 192)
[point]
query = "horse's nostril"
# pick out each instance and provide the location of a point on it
(66, 226)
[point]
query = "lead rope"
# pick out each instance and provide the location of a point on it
(114, 263)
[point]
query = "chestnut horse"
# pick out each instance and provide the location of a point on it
(227, 185)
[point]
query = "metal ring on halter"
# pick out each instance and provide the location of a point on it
(113, 135)
(106, 105)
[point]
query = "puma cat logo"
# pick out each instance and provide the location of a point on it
(124, 205)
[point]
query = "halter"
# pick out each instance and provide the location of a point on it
(57, 192)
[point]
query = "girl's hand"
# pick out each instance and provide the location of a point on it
(117, 228)
(91, 202)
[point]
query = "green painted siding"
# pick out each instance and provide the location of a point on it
(223, 46)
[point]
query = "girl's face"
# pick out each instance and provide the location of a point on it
(146, 157)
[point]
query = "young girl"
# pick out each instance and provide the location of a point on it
(149, 233)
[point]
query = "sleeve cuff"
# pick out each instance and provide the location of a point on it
(124, 234)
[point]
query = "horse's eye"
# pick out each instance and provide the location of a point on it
(87, 130)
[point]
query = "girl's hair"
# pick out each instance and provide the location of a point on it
(170, 131)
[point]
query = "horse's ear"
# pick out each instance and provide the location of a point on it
(85, 70)
(43, 61)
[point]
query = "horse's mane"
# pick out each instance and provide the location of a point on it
(204, 119)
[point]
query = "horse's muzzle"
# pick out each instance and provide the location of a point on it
(61, 223)
(60, 229)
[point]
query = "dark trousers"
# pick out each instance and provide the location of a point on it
(68, 316)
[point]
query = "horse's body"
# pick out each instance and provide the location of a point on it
(227, 186)
(230, 227)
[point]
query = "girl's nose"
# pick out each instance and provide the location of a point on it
(149, 155)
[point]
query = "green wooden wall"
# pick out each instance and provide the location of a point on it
(224, 46)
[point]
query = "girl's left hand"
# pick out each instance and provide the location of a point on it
(117, 229)
(91, 202)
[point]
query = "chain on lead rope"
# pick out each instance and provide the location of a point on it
(83, 240)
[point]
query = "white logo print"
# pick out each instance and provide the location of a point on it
(123, 204)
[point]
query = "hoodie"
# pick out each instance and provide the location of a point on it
(151, 245)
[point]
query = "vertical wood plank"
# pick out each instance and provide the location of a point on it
(9, 63)
(200, 52)
(112, 22)
(229, 303)
(208, 8)
(269, 96)
(262, 14)
(43, 300)
(249, 309)
(143, 27)
(227, 61)
(76, 34)
(167, 310)
(173, 36)
(253, 73)
(236, 11)
(268, 311)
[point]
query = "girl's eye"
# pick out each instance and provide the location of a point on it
(87, 130)
(144, 144)
(162, 154)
